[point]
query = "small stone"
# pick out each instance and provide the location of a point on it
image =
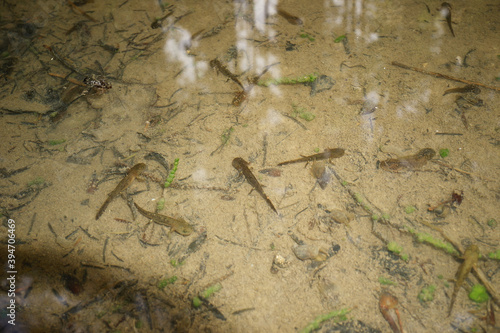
(278, 262)
(308, 251)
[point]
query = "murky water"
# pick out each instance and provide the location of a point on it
(92, 89)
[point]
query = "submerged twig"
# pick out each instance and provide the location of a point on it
(460, 170)
(56, 55)
(81, 11)
(69, 79)
(442, 76)
(375, 213)
(226, 135)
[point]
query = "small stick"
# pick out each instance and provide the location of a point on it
(198, 187)
(99, 266)
(443, 76)
(264, 147)
(68, 79)
(33, 219)
(460, 170)
(81, 11)
(446, 133)
(71, 233)
(61, 60)
(296, 121)
(114, 255)
(104, 249)
(242, 310)
(238, 244)
(85, 231)
(430, 209)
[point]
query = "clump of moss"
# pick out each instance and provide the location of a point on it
(358, 197)
(307, 116)
(492, 223)
(394, 247)
(197, 301)
(315, 324)
(56, 142)
(397, 249)
(427, 293)
(171, 175)
(410, 209)
(426, 238)
(479, 294)
(302, 113)
(444, 152)
(385, 281)
(36, 181)
(160, 204)
(165, 282)
(306, 35)
(494, 255)
(339, 39)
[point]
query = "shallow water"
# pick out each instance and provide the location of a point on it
(89, 92)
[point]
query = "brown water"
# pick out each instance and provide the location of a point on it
(67, 141)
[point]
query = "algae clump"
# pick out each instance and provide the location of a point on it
(410, 209)
(479, 294)
(426, 238)
(385, 281)
(315, 324)
(427, 293)
(197, 301)
(165, 282)
(444, 152)
(397, 249)
(36, 181)
(494, 255)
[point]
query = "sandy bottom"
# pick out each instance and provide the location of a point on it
(84, 98)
